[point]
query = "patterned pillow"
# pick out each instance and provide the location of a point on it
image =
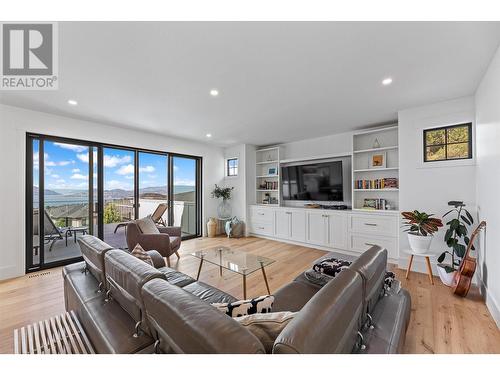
(139, 253)
(331, 266)
(266, 327)
(262, 304)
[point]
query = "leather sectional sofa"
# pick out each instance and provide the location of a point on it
(128, 306)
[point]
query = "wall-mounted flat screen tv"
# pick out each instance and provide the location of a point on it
(313, 182)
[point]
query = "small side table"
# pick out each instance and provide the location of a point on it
(427, 260)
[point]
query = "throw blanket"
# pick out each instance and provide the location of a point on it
(326, 270)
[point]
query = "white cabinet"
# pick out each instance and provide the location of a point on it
(327, 229)
(290, 224)
(298, 226)
(281, 224)
(316, 228)
(337, 230)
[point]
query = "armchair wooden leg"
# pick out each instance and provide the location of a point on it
(168, 261)
(178, 256)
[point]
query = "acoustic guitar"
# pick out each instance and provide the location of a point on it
(463, 277)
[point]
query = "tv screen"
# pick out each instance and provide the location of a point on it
(313, 182)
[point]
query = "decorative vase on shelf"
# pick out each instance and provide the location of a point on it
(224, 209)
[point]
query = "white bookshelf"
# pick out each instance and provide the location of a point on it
(364, 148)
(267, 170)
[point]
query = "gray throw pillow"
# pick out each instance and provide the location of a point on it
(147, 225)
(266, 327)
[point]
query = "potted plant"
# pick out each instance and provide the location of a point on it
(456, 239)
(224, 208)
(420, 227)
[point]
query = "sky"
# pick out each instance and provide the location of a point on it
(67, 167)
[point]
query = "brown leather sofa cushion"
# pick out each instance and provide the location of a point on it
(371, 265)
(293, 296)
(182, 323)
(391, 317)
(329, 322)
(93, 250)
(208, 293)
(125, 277)
(175, 277)
(111, 329)
(79, 286)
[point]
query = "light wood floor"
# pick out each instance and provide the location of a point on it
(440, 322)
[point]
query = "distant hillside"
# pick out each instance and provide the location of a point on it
(47, 192)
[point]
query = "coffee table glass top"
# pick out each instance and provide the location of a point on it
(232, 259)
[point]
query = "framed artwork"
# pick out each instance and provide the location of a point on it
(378, 160)
(271, 171)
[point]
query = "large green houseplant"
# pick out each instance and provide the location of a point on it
(224, 209)
(420, 227)
(456, 239)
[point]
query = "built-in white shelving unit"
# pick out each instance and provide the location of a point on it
(383, 143)
(267, 182)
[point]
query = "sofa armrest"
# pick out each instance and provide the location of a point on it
(158, 260)
(159, 242)
(171, 231)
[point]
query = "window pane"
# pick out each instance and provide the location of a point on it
(435, 137)
(153, 187)
(185, 209)
(119, 200)
(435, 153)
(458, 151)
(459, 134)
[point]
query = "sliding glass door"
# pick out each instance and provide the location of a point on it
(61, 200)
(153, 187)
(118, 195)
(77, 187)
(186, 191)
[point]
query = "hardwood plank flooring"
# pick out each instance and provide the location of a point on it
(440, 322)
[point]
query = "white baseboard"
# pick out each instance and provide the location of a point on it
(492, 304)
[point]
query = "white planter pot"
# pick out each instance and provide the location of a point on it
(446, 278)
(419, 244)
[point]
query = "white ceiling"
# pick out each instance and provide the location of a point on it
(278, 81)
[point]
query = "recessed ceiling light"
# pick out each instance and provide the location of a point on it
(208, 135)
(72, 102)
(387, 81)
(214, 92)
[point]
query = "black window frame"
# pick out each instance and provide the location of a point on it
(237, 167)
(29, 267)
(446, 143)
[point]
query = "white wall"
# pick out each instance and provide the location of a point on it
(15, 122)
(428, 187)
(337, 144)
(238, 200)
(488, 182)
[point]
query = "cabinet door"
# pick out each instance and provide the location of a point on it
(297, 225)
(337, 231)
(316, 228)
(281, 224)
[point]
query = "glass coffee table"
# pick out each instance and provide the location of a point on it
(234, 260)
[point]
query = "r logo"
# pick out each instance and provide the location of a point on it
(27, 49)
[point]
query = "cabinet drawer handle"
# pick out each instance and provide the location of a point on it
(371, 224)
(289, 213)
(261, 228)
(261, 213)
(370, 244)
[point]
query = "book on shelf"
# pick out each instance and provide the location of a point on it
(379, 183)
(376, 204)
(269, 185)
